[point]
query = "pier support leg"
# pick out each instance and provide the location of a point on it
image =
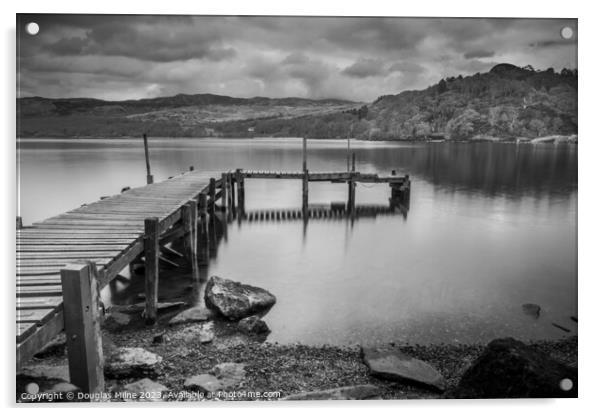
(232, 195)
(190, 216)
(240, 193)
(151, 267)
(82, 326)
(225, 196)
(212, 219)
(203, 232)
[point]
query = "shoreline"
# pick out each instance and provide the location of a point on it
(284, 368)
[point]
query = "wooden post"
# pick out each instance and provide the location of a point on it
(240, 192)
(353, 162)
(232, 194)
(82, 326)
(149, 177)
(225, 196)
(19, 223)
(189, 217)
(151, 267)
(351, 198)
(304, 154)
(203, 230)
(305, 193)
(212, 225)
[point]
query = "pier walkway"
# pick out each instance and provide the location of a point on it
(108, 232)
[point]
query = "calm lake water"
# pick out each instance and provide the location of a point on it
(490, 227)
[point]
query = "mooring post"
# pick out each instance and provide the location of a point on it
(189, 217)
(151, 268)
(19, 223)
(203, 230)
(149, 177)
(351, 197)
(240, 193)
(82, 326)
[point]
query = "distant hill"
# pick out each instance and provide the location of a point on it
(507, 102)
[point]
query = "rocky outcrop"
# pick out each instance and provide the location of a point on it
(508, 368)
(235, 300)
(132, 362)
(253, 325)
(360, 392)
(194, 314)
(391, 364)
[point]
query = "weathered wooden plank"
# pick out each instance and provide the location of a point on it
(37, 316)
(40, 290)
(56, 248)
(24, 330)
(38, 302)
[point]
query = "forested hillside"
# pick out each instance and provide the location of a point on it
(507, 102)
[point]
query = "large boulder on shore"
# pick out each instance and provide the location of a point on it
(391, 364)
(508, 368)
(235, 300)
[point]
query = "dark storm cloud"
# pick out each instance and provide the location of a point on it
(125, 56)
(364, 68)
(480, 53)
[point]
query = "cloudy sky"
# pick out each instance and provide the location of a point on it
(123, 57)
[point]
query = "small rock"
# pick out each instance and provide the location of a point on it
(194, 314)
(199, 333)
(391, 364)
(254, 325)
(131, 362)
(159, 338)
(55, 347)
(235, 300)
(532, 309)
(359, 392)
(508, 368)
(51, 372)
(64, 387)
(229, 374)
(206, 383)
(146, 390)
(117, 321)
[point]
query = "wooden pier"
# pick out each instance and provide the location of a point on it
(63, 262)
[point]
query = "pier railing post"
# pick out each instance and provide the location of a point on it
(203, 230)
(212, 225)
(305, 204)
(151, 268)
(82, 326)
(189, 217)
(225, 191)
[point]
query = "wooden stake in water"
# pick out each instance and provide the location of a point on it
(149, 177)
